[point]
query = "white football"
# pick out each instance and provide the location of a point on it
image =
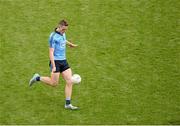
(76, 78)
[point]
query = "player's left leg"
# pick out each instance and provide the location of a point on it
(67, 75)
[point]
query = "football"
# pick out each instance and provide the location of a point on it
(76, 78)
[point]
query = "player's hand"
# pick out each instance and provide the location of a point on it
(70, 44)
(73, 45)
(54, 69)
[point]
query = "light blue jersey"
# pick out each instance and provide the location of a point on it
(58, 42)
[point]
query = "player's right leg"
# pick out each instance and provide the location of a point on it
(52, 81)
(67, 75)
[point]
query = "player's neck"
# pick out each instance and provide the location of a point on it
(58, 30)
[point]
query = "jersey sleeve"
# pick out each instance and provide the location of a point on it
(52, 44)
(51, 41)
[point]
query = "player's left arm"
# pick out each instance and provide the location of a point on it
(70, 44)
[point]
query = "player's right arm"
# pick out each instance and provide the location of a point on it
(51, 56)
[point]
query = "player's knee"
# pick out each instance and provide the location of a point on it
(54, 83)
(69, 82)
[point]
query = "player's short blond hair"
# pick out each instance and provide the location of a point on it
(63, 23)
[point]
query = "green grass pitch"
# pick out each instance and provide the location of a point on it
(128, 58)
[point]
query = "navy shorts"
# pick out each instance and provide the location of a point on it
(61, 65)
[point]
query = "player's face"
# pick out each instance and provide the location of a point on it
(63, 29)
